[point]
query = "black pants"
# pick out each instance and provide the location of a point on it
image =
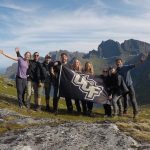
(107, 109)
(21, 86)
(132, 98)
(78, 107)
(56, 99)
(89, 106)
(47, 87)
(69, 105)
(84, 106)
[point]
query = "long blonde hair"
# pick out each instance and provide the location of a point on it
(88, 68)
(77, 68)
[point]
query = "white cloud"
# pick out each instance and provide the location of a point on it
(141, 3)
(82, 29)
(10, 5)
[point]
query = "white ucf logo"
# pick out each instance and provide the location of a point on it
(87, 86)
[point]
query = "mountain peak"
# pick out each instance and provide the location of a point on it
(109, 48)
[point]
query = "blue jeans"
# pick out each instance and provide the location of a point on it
(131, 96)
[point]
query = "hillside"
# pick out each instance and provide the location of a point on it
(27, 129)
(141, 76)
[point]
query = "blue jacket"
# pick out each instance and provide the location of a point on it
(124, 71)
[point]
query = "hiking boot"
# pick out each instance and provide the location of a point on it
(47, 109)
(38, 108)
(55, 112)
(125, 112)
(135, 114)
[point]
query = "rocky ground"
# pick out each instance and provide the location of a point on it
(51, 134)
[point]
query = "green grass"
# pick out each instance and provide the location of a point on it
(138, 128)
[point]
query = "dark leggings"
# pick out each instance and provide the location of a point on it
(21, 86)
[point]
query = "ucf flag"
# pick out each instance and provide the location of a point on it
(81, 86)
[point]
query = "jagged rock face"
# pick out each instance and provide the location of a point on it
(109, 48)
(11, 71)
(135, 47)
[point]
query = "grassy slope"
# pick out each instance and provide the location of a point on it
(139, 128)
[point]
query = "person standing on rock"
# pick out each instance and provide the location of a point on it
(124, 71)
(48, 64)
(21, 76)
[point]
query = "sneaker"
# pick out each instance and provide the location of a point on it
(120, 114)
(28, 106)
(24, 103)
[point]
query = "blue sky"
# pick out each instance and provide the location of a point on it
(48, 25)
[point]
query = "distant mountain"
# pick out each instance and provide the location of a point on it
(134, 47)
(2, 70)
(110, 49)
(71, 55)
(11, 71)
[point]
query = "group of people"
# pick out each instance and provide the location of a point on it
(32, 74)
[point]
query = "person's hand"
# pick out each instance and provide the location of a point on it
(110, 97)
(1, 52)
(17, 49)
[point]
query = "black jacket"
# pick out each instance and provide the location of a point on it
(107, 83)
(56, 68)
(48, 68)
(35, 72)
(118, 85)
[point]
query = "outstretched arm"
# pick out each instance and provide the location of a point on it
(8, 56)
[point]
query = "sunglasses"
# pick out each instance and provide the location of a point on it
(36, 55)
(105, 71)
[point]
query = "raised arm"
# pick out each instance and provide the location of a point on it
(8, 56)
(18, 52)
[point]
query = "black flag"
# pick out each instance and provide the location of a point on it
(81, 86)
